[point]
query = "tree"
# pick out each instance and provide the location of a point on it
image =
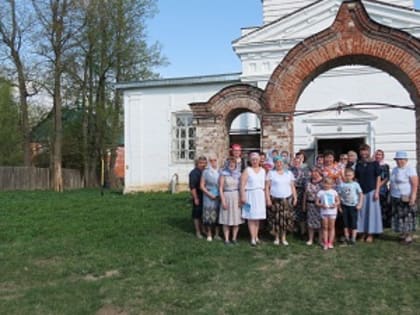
(118, 52)
(10, 142)
(58, 24)
(14, 25)
(82, 48)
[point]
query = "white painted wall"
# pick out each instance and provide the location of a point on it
(393, 130)
(148, 139)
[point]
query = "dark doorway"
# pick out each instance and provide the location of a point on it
(245, 130)
(340, 145)
(248, 141)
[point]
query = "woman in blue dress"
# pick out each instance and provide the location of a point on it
(368, 174)
(211, 202)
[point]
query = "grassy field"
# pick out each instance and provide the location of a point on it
(80, 253)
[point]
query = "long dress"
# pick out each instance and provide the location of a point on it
(300, 182)
(370, 216)
(313, 212)
(210, 206)
(232, 214)
(383, 197)
(255, 196)
(403, 214)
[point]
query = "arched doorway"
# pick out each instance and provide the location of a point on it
(213, 119)
(245, 130)
(353, 38)
(361, 112)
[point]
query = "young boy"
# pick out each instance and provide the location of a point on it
(351, 201)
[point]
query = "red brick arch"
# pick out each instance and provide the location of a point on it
(352, 39)
(233, 100)
(214, 117)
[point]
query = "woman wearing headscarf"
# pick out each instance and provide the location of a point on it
(253, 197)
(301, 175)
(230, 212)
(404, 183)
(280, 193)
(383, 190)
(210, 187)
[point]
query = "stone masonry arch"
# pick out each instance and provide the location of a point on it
(353, 38)
(214, 117)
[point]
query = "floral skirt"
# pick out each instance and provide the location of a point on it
(280, 215)
(386, 210)
(313, 215)
(210, 211)
(403, 216)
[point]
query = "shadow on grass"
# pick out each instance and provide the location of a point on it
(183, 224)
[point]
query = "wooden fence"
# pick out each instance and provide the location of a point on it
(32, 178)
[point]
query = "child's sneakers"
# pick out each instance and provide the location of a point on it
(328, 245)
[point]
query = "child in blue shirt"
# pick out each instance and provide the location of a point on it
(351, 196)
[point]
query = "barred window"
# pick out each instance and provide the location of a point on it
(183, 138)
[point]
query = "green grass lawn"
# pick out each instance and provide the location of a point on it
(80, 253)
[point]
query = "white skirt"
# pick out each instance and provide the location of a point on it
(256, 200)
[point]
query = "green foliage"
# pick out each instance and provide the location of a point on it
(78, 252)
(10, 138)
(86, 46)
(71, 150)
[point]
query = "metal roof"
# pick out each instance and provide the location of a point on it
(181, 81)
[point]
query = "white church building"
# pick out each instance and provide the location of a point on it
(339, 109)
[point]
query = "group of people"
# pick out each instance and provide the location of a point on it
(354, 198)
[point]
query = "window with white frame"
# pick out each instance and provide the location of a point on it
(183, 137)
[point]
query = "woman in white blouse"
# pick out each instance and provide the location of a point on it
(280, 193)
(404, 183)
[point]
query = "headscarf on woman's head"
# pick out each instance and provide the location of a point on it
(381, 162)
(278, 158)
(226, 171)
(253, 155)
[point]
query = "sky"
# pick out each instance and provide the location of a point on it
(196, 35)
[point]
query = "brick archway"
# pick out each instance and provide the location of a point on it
(214, 117)
(353, 38)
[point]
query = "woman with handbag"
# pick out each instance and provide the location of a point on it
(404, 183)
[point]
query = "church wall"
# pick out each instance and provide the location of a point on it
(148, 134)
(393, 130)
(275, 9)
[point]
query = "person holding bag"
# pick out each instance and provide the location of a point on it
(404, 183)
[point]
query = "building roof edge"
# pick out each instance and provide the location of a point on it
(180, 81)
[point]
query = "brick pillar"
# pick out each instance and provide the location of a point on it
(212, 137)
(277, 132)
